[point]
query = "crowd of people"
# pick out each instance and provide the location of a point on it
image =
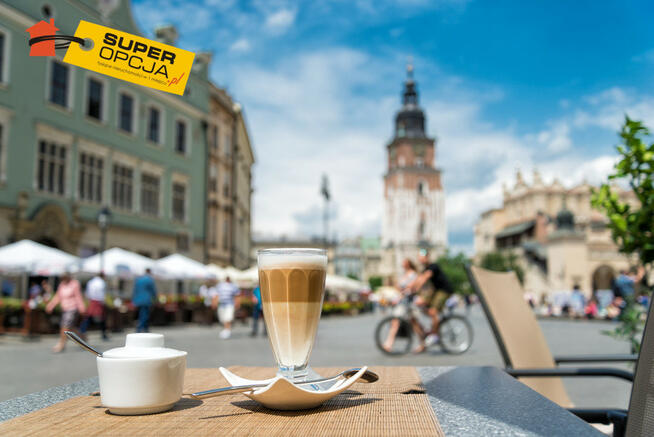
(219, 296)
(603, 304)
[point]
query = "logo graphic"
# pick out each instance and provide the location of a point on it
(43, 48)
(129, 57)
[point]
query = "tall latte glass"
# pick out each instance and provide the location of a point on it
(292, 289)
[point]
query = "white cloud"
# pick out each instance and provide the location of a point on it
(278, 22)
(607, 109)
(308, 117)
(556, 138)
(190, 17)
(645, 57)
(241, 45)
(307, 120)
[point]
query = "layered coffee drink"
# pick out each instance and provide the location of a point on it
(292, 287)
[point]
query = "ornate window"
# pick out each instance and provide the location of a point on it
(150, 194)
(122, 186)
(179, 201)
(215, 139)
(51, 168)
(154, 125)
(180, 136)
(226, 234)
(94, 99)
(4, 46)
(183, 243)
(126, 114)
(59, 84)
(91, 168)
(213, 179)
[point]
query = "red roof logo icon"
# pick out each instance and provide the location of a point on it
(43, 48)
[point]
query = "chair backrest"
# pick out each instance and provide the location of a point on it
(640, 421)
(518, 335)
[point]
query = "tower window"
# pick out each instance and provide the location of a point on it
(422, 188)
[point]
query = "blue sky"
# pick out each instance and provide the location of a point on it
(505, 84)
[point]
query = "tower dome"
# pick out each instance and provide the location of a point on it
(410, 119)
(565, 219)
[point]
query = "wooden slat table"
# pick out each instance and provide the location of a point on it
(454, 401)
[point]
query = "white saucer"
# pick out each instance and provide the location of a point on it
(281, 394)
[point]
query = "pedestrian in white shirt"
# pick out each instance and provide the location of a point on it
(96, 290)
(226, 304)
(209, 292)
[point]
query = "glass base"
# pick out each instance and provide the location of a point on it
(298, 374)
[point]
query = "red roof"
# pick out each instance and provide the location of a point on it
(43, 28)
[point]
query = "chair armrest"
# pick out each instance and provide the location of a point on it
(605, 416)
(572, 371)
(613, 358)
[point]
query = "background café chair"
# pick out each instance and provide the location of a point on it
(528, 357)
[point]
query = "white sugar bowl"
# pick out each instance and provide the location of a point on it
(144, 377)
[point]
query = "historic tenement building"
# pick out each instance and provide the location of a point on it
(560, 240)
(73, 142)
(229, 183)
(414, 200)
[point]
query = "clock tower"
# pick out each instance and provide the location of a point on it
(414, 200)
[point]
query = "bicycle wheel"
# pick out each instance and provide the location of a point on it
(403, 338)
(455, 334)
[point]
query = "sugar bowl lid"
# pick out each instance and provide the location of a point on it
(143, 345)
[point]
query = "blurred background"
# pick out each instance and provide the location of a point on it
(480, 132)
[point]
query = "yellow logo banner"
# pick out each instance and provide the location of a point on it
(131, 58)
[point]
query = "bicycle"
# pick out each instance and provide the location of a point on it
(454, 330)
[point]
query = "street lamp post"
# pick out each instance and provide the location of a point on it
(104, 217)
(324, 191)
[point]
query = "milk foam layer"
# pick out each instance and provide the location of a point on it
(286, 258)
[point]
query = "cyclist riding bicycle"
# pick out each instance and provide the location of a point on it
(434, 289)
(410, 274)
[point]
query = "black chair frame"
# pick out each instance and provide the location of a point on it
(604, 416)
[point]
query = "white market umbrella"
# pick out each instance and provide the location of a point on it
(121, 262)
(343, 283)
(249, 277)
(182, 267)
(232, 272)
(29, 256)
(216, 271)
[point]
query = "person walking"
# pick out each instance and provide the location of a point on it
(257, 312)
(96, 291)
(145, 294)
(577, 302)
(625, 283)
(208, 292)
(69, 296)
(225, 302)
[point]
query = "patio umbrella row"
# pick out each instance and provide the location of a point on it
(27, 256)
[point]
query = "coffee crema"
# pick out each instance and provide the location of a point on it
(292, 295)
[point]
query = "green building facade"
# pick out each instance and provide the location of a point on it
(73, 142)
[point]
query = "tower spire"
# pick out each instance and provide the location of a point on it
(409, 68)
(410, 119)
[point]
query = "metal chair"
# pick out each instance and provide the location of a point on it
(528, 357)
